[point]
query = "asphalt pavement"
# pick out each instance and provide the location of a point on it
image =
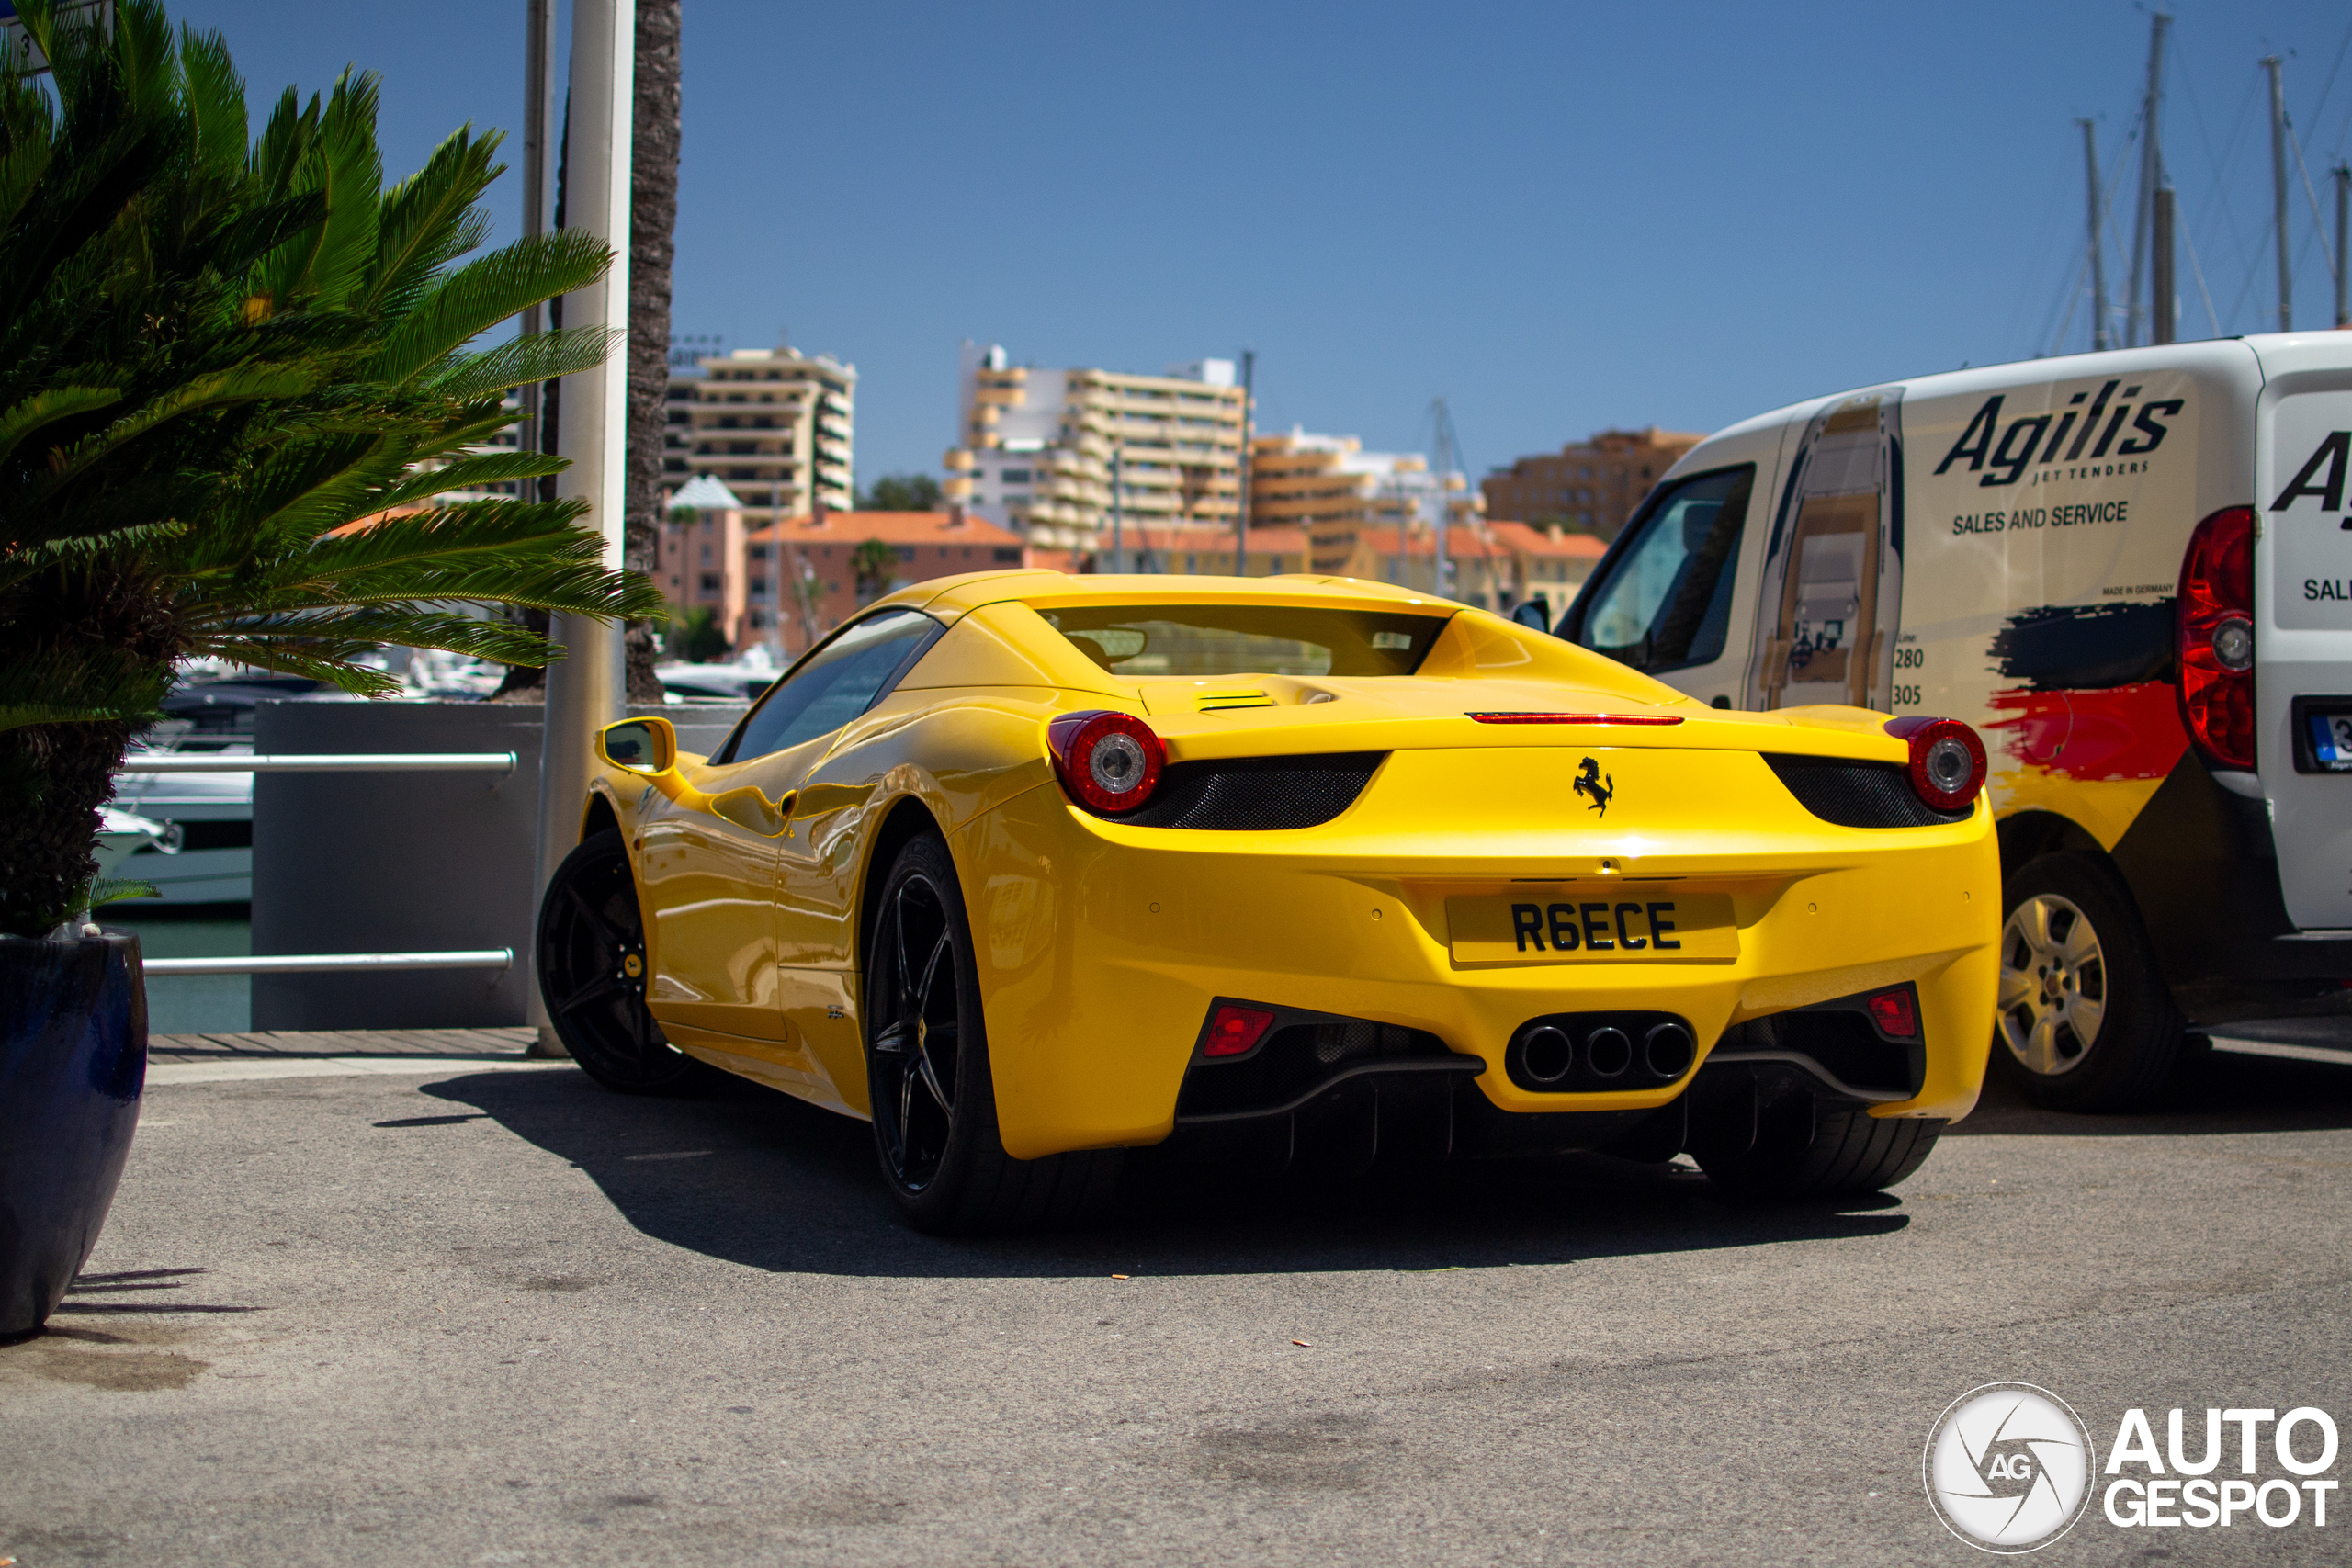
(468, 1316)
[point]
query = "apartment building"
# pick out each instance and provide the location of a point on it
(1183, 551)
(722, 556)
(818, 555)
(699, 561)
(774, 425)
(1495, 565)
(1050, 454)
(1332, 488)
(1590, 485)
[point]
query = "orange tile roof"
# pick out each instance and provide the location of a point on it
(1463, 542)
(890, 527)
(1541, 542)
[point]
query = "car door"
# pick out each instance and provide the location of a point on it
(708, 880)
(798, 726)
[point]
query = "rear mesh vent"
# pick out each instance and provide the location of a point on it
(1858, 795)
(1258, 793)
(1294, 1059)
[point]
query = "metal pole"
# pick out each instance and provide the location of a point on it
(1241, 521)
(538, 109)
(2343, 232)
(1118, 510)
(2160, 286)
(2099, 338)
(2278, 192)
(585, 686)
(2152, 178)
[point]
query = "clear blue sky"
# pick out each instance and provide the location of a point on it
(1559, 218)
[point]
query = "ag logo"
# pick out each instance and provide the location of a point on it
(2008, 1467)
(1590, 783)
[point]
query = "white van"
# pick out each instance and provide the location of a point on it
(2133, 572)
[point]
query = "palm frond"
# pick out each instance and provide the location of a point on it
(468, 473)
(216, 100)
(44, 408)
(522, 360)
(331, 663)
(372, 627)
(81, 684)
(425, 224)
(243, 384)
(484, 292)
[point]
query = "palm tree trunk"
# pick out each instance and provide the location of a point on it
(53, 777)
(654, 219)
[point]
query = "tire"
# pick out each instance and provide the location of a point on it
(934, 1099)
(1804, 1150)
(2085, 1021)
(590, 934)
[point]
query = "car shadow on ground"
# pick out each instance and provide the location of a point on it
(757, 1177)
(2216, 1092)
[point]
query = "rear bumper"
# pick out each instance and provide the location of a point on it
(2203, 864)
(1101, 947)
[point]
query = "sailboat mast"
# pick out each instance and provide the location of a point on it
(2278, 192)
(2151, 178)
(2098, 258)
(2343, 232)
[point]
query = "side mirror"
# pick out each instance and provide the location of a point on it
(646, 746)
(1528, 612)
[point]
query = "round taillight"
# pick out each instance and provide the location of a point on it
(2233, 644)
(1947, 761)
(1107, 762)
(2214, 621)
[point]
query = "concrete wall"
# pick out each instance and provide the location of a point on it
(404, 863)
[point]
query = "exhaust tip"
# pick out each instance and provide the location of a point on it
(1668, 1050)
(1546, 1053)
(1608, 1051)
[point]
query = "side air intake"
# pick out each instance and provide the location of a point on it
(1858, 795)
(1258, 793)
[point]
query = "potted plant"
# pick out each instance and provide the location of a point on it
(235, 375)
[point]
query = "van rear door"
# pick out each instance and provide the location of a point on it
(2303, 618)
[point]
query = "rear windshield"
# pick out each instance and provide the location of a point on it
(1247, 639)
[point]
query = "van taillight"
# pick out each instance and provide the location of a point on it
(2215, 618)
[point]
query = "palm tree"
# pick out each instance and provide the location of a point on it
(653, 221)
(235, 380)
(874, 563)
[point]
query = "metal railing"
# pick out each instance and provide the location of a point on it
(503, 762)
(324, 762)
(498, 958)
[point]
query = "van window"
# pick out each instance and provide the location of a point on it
(839, 680)
(1666, 603)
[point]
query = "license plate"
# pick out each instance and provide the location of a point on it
(1587, 925)
(2331, 737)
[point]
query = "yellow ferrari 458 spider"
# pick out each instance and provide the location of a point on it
(1031, 869)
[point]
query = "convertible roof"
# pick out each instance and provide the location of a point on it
(950, 597)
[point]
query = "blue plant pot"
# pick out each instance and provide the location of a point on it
(72, 1061)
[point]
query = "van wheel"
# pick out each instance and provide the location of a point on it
(2085, 1021)
(928, 1079)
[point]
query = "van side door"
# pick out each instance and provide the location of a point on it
(1830, 606)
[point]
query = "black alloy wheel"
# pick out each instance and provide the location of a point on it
(593, 972)
(915, 1067)
(927, 1076)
